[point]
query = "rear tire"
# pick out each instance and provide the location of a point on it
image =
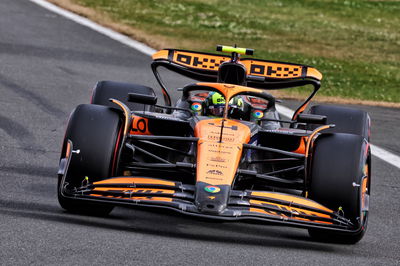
(346, 120)
(104, 90)
(340, 162)
(94, 130)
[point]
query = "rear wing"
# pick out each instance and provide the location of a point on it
(261, 74)
(204, 67)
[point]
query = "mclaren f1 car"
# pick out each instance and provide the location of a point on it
(222, 151)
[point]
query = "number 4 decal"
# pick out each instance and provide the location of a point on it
(139, 126)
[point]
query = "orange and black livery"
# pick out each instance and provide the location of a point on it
(223, 151)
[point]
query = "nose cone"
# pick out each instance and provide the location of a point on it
(219, 150)
(211, 199)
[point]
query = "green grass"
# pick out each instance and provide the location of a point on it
(355, 44)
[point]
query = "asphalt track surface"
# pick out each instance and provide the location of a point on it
(48, 65)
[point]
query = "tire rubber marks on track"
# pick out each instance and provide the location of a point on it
(15, 130)
(41, 102)
(376, 151)
(25, 139)
(18, 132)
(30, 170)
(64, 54)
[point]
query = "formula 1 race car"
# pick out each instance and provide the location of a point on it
(223, 151)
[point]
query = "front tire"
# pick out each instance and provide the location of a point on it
(95, 131)
(340, 179)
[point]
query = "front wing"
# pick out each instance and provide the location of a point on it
(242, 205)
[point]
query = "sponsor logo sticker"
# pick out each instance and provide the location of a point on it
(258, 114)
(196, 106)
(214, 172)
(212, 189)
(218, 159)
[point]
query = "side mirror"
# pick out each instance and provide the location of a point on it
(311, 119)
(142, 98)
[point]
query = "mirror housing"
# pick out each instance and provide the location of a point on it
(311, 119)
(142, 98)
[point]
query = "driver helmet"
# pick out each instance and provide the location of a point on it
(216, 104)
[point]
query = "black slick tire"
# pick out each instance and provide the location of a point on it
(95, 131)
(338, 169)
(104, 90)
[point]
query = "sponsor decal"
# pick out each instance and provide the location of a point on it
(281, 71)
(135, 190)
(219, 145)
(214, 178)
(217, 133)
(200, 61)
(214, 172)
(227, 139)
(196, 107)
(139, 124)
(258, 114)
(218, 159)
(217, 166)
(219, 151)
(212, 189)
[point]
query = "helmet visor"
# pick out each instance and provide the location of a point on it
(216, 110)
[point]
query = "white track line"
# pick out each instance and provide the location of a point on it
(385, 155)
(141, 47)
